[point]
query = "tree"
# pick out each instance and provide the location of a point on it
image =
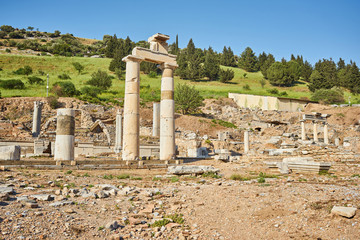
(3, 34)
(118, 49)
(100, 79)
(187, 99)
(262, 82)
(283, 73)
(261, 59)
(324, 75)
(78, 66)
(340, 64)
(248, 60)
(226, 75)
(190, 62)
(30, 28)
(211, 65)
(350, 77)
(306, 71)
(267, 63)
(7, 28)
(174, 47)
(227, 57)
(328, 96)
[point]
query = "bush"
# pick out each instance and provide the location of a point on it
(152, 74)
(328, 96)
(26, 70)
(35, 80)
(187, 99)
(148, 94)
(16, 35)
(41, 72)
(262, 83)
(226, 75)
(246, 87)
(8, 50)
(53, 102)
(12, 84)
(64, 89)
(64, 76)
(284, 93)
(100, 79)
(91, 91)
(78, 67)
(283, 73)
(273, 91)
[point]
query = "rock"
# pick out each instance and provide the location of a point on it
(60, 203)
(348, 212)
(4, 196)
(8, 190)
(116, 237)
(191, 169)
(102, 194)
(42, 197)
(69, 210)
(113, 225)
(10, 152)
(31, 204)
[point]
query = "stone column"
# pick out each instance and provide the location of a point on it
(156, 119)
(246, 141)
(303, 134)
(326, 134)
(37, 118)
(118, 132)
(65, 130)
(315, 132)
(131, 142)
(167, 112)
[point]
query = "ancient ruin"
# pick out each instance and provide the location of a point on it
(158, 53)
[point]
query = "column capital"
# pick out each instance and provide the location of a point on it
(133, 58)
(169, 65)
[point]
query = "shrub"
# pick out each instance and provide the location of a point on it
(284, 93)
(238, 177)
(100, 79)
(1, 69)
(273, 91)
(152, 74)
(26, 70)
(16, 35)
(12, 84)
(64, 89)
(53, 102)
(246, 87)
(35, 80)
(328, 96)
(64, 76)
(187, 99)
(91, 91)
(8, 50)
(224, 123)
(119, 73)
(262, 83)
(78, 67)
(226, 75)
(148, 94)
(41, 72)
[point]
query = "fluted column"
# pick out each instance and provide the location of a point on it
(156, 119)
(65, 130)
(167, 112)
(131, 142)
(37, 118)
(118, 132)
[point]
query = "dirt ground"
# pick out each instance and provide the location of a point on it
(295, 206)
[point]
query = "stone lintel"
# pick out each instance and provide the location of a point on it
(154, 57)
(133, 58)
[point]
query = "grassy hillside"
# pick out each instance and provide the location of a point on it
(55, 66)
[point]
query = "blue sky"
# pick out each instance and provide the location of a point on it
(315, 29)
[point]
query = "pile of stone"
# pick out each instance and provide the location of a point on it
(191, 170)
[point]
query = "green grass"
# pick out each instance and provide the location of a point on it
(58, 65)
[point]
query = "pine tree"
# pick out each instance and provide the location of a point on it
(283, 74)
(265, 66)
(340, 64)
(261, 59)
(248, 61)
(306, 71)
(211, 65)
(190, 62)
(181, 60)
(324, 75)
(349, 77)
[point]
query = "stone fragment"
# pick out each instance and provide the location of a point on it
(8, 190)
(60, 203)
(191, 169)
(348, 212)
(112, 225)
(10, 152)
(4, 196)
(42, 197)
(31, 204)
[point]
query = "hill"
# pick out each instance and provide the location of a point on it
(56, 65)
